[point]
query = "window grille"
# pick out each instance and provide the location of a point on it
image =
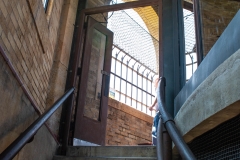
(131, 81)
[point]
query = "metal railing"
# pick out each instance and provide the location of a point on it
(168, 122)
(26, 136)
(132, 81)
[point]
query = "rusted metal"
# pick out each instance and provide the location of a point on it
(19, 143)
(122, 6)
(176, 137)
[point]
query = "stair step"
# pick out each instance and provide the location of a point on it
(103, 158)
(113, 151)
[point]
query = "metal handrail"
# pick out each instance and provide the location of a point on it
(20, 142)
(169, 124)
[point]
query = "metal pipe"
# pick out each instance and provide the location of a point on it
(142, 87)
(147, 81)
(160, 139)
(176, 137)
(115, 67)
(133, 84)
(19, 143)
(121, 79)
(132, 80)
(126, 78)
(139, 66)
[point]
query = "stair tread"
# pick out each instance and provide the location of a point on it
(112, 151)
(102, 158)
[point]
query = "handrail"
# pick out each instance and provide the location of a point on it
(19, 143)
(169, 124)
(159, 140)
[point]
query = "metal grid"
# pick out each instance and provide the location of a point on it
(131, 81)
(134, 59)
(220, 143)
(190, 43)
(134, 39)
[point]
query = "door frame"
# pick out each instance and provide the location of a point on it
(77, 50)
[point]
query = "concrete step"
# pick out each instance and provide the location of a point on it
(102, 158)
(109, 153)
(112, 151)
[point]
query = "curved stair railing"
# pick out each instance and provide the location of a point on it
(28, 134)
(167, 121)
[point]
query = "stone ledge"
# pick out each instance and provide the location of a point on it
(215, 101)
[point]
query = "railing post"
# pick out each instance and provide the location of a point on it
(176, 137)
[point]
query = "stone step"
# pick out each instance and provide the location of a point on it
(113, 151)
(102, 158)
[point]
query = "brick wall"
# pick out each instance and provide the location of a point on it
(17, 114)
(38, 45)
(29, 40)
(216, 15)
(127, 126)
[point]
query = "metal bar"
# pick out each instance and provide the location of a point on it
(176, 137)
(137, 83)
(122, 6)
(129, 97)
(135, 59)
(142, 91)
(126, 79)
(160, 9)
(121, 76)
(147, 81)
(160, 139)
(132, 81)
(115, 67)
(134, 70)
(190, 63)
(132, 84)
(19, 143)
(198, 31)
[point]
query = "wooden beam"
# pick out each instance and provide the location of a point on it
(122, 6)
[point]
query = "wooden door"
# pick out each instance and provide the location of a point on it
(92, 104)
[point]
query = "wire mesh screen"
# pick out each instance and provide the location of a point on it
(190, 43)
(134, 59)
(220, 143)
(131, 81)
(134, 39)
